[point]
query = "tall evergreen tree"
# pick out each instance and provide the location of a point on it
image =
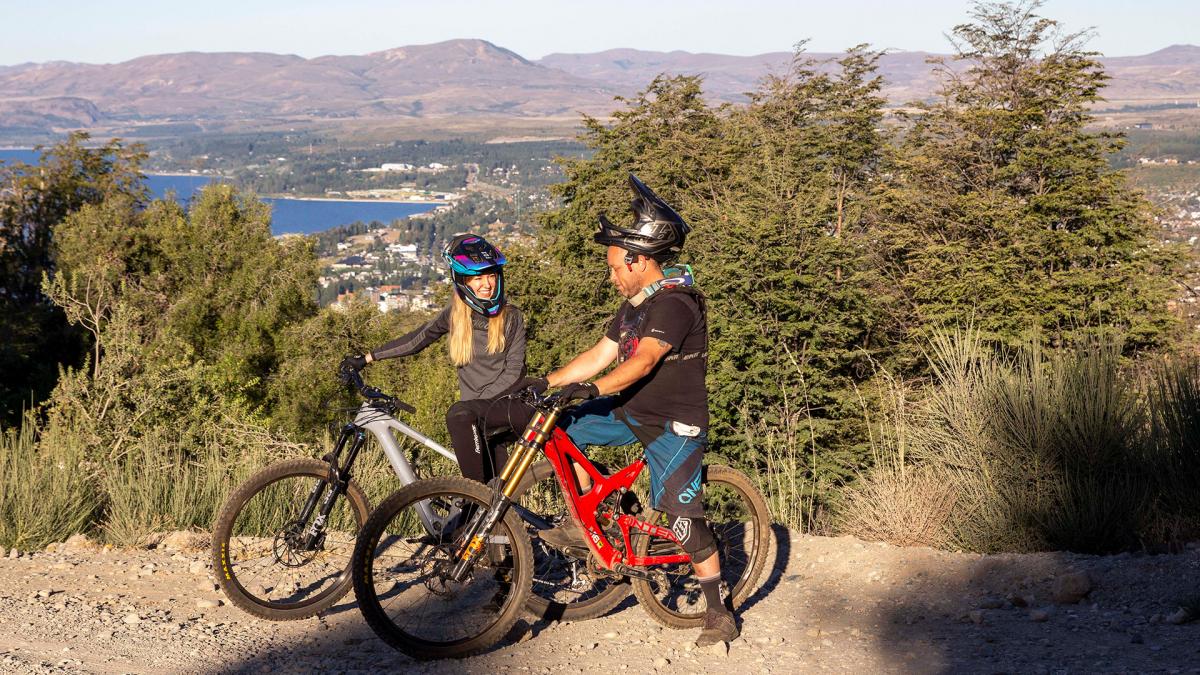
(777, 193)
(1003, 209)
(780, 247)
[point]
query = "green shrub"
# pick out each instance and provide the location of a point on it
(45, 496)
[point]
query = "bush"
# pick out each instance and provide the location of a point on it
(45, 496)
(1034, 451)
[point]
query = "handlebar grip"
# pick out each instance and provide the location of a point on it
(401, 405)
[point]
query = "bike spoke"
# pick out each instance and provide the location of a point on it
(268, 554)
(408, 571)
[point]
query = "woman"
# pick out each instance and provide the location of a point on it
(486, 344)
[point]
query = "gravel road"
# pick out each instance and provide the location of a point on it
(829, 604)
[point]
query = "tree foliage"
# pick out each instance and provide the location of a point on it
(1003, 209)
(184, 308)
(36, 337)
(830, 242)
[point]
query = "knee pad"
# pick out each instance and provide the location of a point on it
(460, 413)
(695, 537)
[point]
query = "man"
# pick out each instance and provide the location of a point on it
(656, 394)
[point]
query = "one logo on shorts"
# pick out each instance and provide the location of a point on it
(682, 529)
(689, 493)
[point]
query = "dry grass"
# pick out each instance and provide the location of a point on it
(1033, 451)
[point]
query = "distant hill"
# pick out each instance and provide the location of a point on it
(728, 78)
(1162, 76)
(453, 80)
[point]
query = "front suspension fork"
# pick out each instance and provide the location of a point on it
(527, 449)
(338, 482)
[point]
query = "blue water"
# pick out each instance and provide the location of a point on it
(288, 216)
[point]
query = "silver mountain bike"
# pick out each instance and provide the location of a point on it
(284, 539)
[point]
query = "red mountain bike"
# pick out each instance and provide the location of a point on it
(457, 592)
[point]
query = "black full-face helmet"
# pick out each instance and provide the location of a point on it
(470, 255)
(657, 231)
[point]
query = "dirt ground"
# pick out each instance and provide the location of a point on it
(829, 604)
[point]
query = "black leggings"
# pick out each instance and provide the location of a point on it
(469, 423)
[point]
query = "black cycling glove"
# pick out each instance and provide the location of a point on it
(538, 385)
(579, 391)
(355, 363)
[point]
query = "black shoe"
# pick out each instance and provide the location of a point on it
(496, 603)
(719, 626)
(566, 535)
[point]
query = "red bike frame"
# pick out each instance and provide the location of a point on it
(561, 452)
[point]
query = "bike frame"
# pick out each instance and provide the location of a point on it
(379, 423)
(542, 436)
(585, 506)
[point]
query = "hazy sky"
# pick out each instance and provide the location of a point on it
(107, 31)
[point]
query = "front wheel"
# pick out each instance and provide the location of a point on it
(566, 587)
(401, 565)
(270, 557)
(741, 525)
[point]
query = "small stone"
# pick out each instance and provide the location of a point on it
(612, 635)
(14, 554)
(720, 649)
(103, 635)
(991, 603)
(197, 567)
(976, 617)
(1180, 616)
(1039, 615)
(185, 541)
(132, 618)
(660, 663)
(205, 603)
(45, 593)
(78, 543)
(1071, 587)
(207, 585)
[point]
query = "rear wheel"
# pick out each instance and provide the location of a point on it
(401, 565)
(741, 524)
(264, 557)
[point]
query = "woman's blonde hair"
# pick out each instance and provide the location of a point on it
(460, 341)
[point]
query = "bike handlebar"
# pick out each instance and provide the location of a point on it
(546, 403)
(352, 378)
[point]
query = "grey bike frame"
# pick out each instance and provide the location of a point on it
(380, 425)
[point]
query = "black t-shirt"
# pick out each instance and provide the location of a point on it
(674, 390)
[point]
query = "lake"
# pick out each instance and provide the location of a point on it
(288, 216)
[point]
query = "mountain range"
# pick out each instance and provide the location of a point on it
(458, 78)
